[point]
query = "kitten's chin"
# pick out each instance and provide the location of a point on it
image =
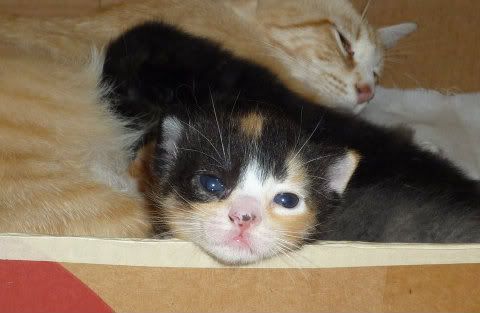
(233, 253)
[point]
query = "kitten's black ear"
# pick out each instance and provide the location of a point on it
(341, 171)
(390, 35)
(172, 129)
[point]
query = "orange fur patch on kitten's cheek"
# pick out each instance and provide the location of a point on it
(252, 125)
(173, 213)
(296, 227)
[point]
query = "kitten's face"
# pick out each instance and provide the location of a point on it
(326, 45)
(247, 188)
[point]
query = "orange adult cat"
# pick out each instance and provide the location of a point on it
(322, 49)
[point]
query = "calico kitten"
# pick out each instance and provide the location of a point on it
(243, 185)
(326, 45)
(398, 193)
(322, 49)
(64, 159)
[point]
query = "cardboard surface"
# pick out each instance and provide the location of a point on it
(175, 276)
(176, 253)
(423, 288)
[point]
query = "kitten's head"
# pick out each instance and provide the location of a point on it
(329, 47)
(247, 187)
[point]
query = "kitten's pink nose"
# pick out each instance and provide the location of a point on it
(245, 212)
(364, 93)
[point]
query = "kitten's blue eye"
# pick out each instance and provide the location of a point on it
(212, 184)
(287, 200)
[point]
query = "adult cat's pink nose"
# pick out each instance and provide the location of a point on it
(245, 212)
(364, 93)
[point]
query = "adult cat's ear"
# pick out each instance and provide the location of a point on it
(390, 35)
(341, 171)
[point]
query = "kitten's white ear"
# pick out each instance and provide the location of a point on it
(390, 35)
(341, 171)
(172, 129)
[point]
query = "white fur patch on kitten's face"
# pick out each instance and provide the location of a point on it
(264, 235)
(329, 47)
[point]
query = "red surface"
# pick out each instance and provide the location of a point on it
(41, 287)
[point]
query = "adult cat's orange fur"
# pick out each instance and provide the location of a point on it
(64, 157)
(322, 49)
(74, 37)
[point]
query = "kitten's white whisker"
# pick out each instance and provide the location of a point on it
(319, 158)
(307, 140)
(218, 125)
(203, 153)
(188, 202)
(203, 136)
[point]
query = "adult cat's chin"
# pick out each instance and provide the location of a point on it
(344, 103)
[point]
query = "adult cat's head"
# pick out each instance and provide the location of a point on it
(327, 45)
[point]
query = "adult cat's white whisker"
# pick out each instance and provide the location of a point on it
(365, 10)
(417, 82)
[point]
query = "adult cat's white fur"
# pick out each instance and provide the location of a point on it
(446, 124)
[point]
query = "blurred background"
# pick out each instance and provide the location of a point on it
(444, 54)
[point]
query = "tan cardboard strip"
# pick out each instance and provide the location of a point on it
(175, 253)
(418, 288)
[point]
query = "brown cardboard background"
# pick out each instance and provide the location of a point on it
(443, 54)
(422, 288)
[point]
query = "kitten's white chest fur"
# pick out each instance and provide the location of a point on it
(446, 123)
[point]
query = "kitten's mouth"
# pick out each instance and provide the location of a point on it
(240, 241)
